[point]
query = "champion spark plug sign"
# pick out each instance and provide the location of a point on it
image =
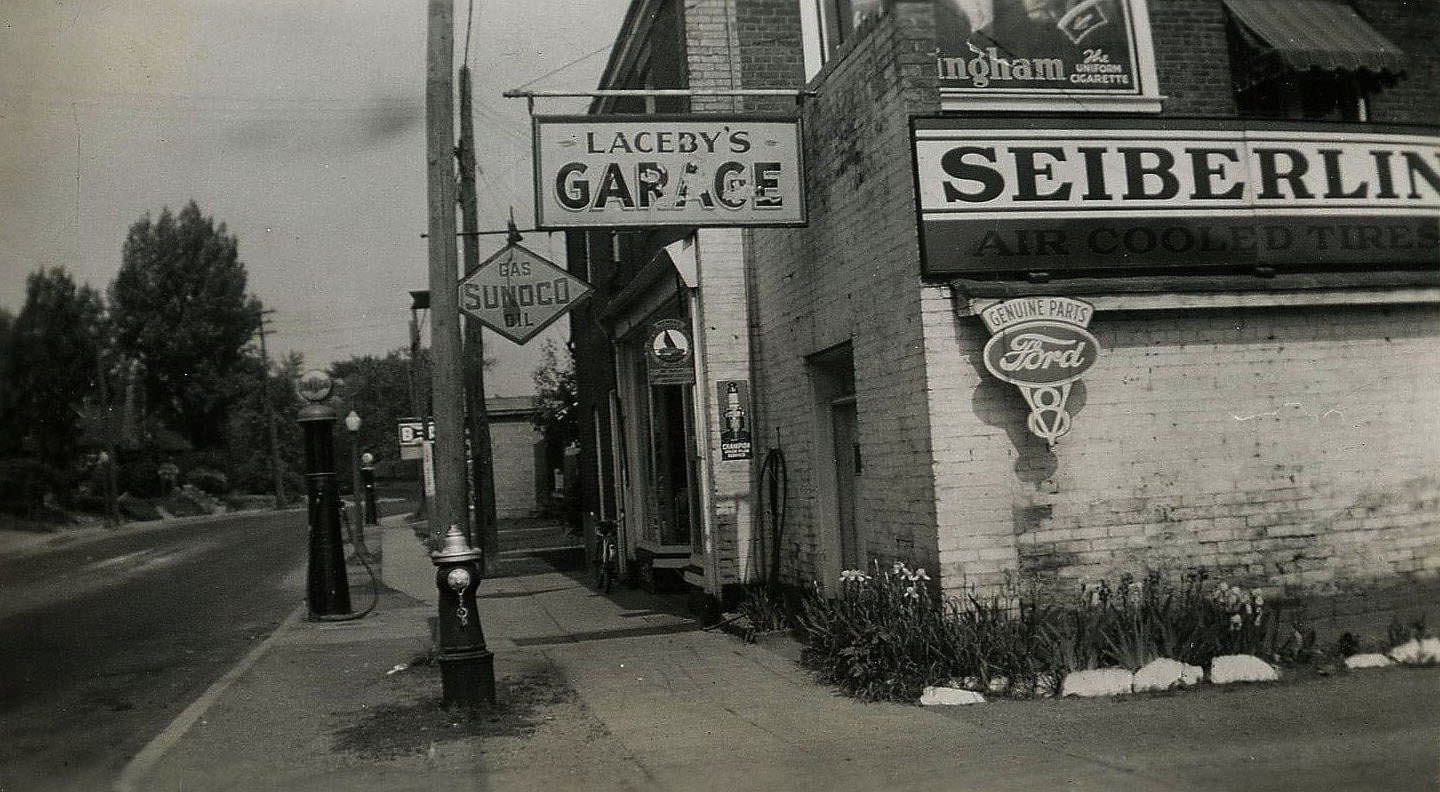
(693, 170)
(1010, 195)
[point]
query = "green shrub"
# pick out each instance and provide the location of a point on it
(208, 480)
(137, 474)
(133, 508)
(766, 609)
(881, 638)
(32, 489)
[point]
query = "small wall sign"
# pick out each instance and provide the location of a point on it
(1041, 345)
(669, 358)
(734, 405)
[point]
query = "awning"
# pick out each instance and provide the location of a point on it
(1299, 35)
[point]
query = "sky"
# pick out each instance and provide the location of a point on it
(297, 123)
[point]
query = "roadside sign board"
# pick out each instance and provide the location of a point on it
(413, 433)
(668, 170)
(1041, 194)
(517, 293)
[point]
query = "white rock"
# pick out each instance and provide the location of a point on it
(1192, 675)
(1161, 674)
(999, 684)
(944, 696)
(1241, 668)
(1097, 682)
(1371, 660)
(1417, 652)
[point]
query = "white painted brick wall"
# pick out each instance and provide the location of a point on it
(1295, 448)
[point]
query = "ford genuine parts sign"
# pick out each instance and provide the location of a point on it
(691, 170)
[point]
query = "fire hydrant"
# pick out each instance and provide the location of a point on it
(467, 668)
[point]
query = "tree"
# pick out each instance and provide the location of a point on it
(557, 401)
(180, 307)
(378, 389)
(54, 365)
(9, 439)
(247, 438)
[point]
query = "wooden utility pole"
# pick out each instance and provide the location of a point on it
(419, 408)
(482, 475)
(449, 506)
(270, 419)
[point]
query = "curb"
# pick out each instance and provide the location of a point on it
(144, 761)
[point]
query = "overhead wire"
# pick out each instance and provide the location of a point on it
(562, 67)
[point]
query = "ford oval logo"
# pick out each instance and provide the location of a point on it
(1034, 354)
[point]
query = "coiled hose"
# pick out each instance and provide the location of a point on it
(363, 554)
(774, 492)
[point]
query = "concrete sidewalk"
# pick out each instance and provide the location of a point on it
(631, 695)
(624, 692)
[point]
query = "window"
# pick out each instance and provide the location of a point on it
(1310, 96)
(829, 25)
(1307, 60)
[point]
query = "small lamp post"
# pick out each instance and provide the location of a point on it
(352, 423)
(367, 477)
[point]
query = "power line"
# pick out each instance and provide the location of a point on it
(469, 15)
(564, 66)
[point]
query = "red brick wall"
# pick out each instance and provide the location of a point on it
(1415, 28)
(1192, 57)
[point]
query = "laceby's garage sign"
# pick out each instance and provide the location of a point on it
(654, 170)
(1019, 196)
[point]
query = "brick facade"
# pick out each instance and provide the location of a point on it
(1291, 447)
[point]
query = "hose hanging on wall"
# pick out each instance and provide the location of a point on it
(774, 490)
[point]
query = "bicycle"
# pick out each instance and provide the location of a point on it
(607, 560)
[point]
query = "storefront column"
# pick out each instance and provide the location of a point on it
(721, 330)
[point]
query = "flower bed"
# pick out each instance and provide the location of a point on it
(887, 635)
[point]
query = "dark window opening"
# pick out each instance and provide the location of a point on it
(1310, 96)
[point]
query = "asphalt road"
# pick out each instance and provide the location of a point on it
(103, 643)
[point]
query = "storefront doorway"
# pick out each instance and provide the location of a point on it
(672, 490)
(659, 482)
(837, 460)
(844, 432)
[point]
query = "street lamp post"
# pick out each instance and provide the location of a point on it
(352, 423)
(327, 589)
